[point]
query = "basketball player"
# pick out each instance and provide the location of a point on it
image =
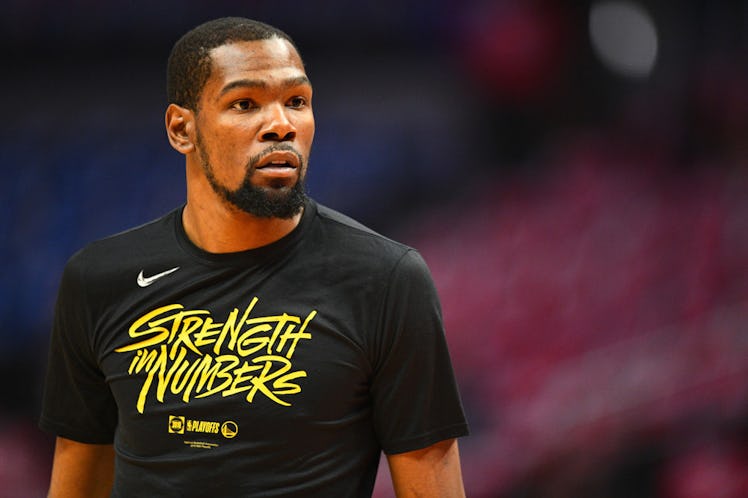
(250, 343)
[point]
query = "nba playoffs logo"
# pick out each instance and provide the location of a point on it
(176, 424)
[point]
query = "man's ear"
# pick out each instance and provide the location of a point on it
(180, 126)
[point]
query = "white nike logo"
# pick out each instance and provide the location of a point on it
(144, 281)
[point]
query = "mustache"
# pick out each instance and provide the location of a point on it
(255, 160)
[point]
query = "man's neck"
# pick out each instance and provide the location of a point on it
(218, 228)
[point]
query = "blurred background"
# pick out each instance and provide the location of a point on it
(574, 173)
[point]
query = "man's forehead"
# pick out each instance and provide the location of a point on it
(255, 55)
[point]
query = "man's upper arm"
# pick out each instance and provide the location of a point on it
(433, 471)
(81, 470)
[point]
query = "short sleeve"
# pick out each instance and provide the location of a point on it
(77, 403)
(414, 393)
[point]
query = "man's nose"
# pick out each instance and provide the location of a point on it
(277, 127)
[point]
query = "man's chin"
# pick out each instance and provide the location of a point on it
(282, 202)
(277, 186)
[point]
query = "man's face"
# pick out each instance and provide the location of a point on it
(255, 126)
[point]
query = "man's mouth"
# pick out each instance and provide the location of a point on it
(279, 160)
(273, 165)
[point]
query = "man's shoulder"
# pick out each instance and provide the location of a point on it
(353, 235)
(116, 248)
(351, 227)
(333, 216)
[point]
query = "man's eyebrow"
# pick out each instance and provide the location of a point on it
(250, 83)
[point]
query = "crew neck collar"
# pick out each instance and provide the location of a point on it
(249, 256)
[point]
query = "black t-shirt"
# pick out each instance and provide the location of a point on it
(278, 371)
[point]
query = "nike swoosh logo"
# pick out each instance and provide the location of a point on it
(144, 281)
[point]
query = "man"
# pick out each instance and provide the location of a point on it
(252, 342)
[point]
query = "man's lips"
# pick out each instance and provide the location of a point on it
(279, 160)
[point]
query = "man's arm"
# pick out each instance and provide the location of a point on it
(81, 470)
(433, 471)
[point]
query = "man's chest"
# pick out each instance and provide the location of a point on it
(222, 364)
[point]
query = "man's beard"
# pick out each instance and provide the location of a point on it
(274, 201)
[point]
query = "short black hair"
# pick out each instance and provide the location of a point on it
(189, 62)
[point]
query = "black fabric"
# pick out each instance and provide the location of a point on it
(280, 371)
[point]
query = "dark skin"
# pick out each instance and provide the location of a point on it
(257, 95)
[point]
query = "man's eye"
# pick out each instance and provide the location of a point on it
(297, 102)
(242, 105)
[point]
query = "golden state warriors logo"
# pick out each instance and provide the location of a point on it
(229, 429)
